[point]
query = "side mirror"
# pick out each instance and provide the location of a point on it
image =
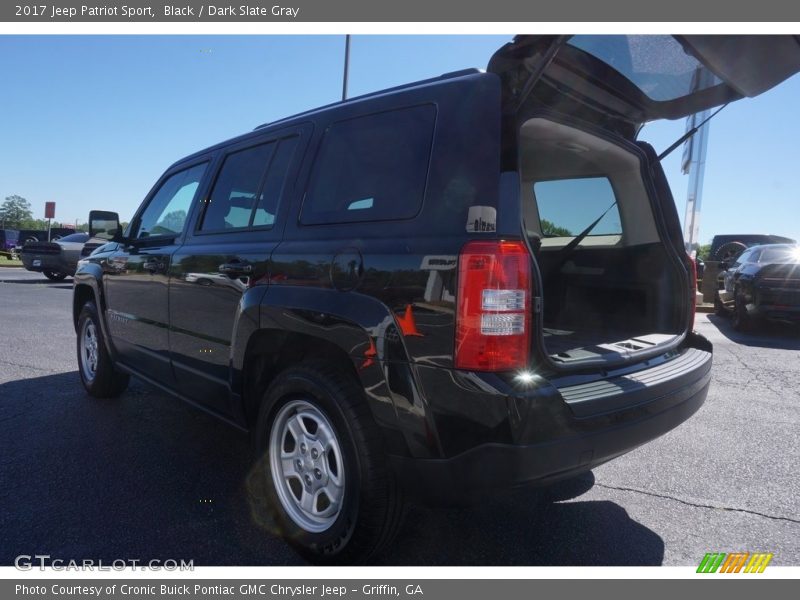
(104, 225)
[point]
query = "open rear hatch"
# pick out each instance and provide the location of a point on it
(624, 81)
(615, 281)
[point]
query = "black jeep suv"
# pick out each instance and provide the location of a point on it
(470, 282)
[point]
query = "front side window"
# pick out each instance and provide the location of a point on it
(169, 207)
(371, 168)
(568, 206)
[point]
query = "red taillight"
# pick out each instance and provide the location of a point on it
(493, 320)
(692, 291)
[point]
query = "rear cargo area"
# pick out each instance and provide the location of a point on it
(618, 291)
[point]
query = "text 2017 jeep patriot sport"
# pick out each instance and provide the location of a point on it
(470, 282)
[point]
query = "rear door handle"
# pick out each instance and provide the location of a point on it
(152, 266)
(235, 268)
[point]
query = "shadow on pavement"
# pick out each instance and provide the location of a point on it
(523, 528)
(148, 477)
(765, 334)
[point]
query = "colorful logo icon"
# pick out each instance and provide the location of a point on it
(734, 562)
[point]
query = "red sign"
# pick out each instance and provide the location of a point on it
(49, 210)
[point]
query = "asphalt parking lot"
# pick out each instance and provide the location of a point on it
(147, 477)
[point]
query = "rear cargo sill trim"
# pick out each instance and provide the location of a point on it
(597, 396)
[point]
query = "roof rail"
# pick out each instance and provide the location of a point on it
(451, 75)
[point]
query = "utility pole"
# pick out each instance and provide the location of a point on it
(695, 167)
(694, 164)
(346, 66)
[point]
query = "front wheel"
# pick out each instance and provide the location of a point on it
(95, 366)
(321, 467)
(719, 307)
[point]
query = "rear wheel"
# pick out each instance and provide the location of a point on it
(321, 469)
(54, 275)
(95, 366)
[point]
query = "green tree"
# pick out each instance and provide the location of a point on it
(550, 229)
(14, 212)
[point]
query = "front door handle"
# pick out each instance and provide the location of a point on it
(235, 268)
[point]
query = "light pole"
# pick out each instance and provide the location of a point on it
(346, 66)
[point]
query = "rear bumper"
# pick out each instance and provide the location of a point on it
(47, 262)
(777, 312)
(637, 413)
(776, 304)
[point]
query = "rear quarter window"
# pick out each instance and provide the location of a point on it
(371, 168)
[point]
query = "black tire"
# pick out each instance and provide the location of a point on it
(95, 366)
(371, 508)
(54, 275)
(729, 251)
(739, 319)
(719, 307)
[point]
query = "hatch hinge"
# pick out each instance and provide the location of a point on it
(537, 72)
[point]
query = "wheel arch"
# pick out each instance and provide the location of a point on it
(87, 287)
(352, 338)
(270, 351)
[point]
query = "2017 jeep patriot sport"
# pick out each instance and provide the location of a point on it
(468, 282)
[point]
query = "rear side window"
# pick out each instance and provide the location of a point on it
(231, 201)
(248, 187)
(568, 206)
(267, 206)
(371, 168)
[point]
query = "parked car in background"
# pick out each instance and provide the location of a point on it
(26, 236)
(762, 283)
(56, 260)
(728, 246)
(8, 242)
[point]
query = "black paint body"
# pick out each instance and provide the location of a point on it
(347, 293)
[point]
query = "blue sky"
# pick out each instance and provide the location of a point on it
(92, 121)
